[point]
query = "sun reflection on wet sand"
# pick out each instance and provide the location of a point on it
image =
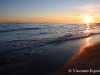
(87, 41)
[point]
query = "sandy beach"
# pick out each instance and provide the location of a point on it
(85, 62)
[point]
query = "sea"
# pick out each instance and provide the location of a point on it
(21, 41)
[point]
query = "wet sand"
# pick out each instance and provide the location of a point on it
(63, 56)
(84, 62)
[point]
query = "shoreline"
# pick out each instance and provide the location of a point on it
(52, 56)
(85, 61)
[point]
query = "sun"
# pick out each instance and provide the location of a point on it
(88, 19)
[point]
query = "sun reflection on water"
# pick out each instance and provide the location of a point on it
(88, 21)
(87, 29)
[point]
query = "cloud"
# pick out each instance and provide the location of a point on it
(89, 8)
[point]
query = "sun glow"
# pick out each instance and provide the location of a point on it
(88, 19)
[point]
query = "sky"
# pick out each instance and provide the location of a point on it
(49, 10)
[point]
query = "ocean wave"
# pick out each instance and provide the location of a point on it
(22, 29)
(41, 35)
(18, 45)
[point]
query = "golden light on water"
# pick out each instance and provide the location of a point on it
(88, 20)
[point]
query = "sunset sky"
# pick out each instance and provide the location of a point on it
(49, 10)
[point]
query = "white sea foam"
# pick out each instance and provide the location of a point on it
(44, 33)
